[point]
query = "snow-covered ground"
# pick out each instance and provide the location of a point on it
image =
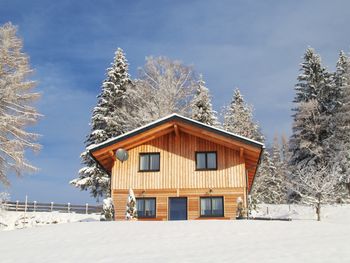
(18, 220)
(303, 240)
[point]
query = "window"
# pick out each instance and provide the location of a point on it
(212, 206)
(146, 207)
(149, 162)
(206, 161)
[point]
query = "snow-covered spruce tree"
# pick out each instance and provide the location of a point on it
(238, 118)
(311, 131)
(111, 117)
(278, 190)
(131, 209)
(202, 109)
(266, 187)
(316, 100)
(16, 105)
(340, 141)
(166, 86)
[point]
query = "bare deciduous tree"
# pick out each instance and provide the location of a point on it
(316, 184)
(16, 105)
(167, 86)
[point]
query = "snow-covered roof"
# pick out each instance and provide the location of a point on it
(170, 117)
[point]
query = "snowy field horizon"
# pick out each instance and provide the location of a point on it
(302, 240)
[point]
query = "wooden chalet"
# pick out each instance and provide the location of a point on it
(180, 169)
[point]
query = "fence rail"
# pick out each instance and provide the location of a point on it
(51, 207)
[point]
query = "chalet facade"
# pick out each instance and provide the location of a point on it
(180, 169)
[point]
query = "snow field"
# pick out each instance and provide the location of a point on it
(186, 241)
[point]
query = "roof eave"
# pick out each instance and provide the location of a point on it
(173, 117)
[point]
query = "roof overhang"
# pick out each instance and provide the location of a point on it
(104, 153)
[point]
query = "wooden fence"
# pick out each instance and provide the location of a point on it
(51, 207)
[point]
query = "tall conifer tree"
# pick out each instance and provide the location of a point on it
(314, 101)
(340, 142)
(238, 119)
(109, 118)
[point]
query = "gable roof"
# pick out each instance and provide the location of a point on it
(103, 153)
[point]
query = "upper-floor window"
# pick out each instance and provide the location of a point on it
(206, 161)
(149, 162)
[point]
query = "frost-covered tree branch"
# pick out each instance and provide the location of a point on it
(16, 105)
(316, 184)
(168, 86)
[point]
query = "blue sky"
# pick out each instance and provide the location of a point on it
(254, 45)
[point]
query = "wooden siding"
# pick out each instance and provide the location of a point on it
(177, 165)
(229, 195)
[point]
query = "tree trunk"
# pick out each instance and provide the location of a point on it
(318, 208)
(348, 186)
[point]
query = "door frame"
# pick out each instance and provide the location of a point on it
(169, 206)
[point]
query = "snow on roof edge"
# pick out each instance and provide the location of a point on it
(94, 146)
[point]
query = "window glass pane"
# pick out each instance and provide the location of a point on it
(154, 158)
(205, 207)
(200, 160)
(144, 162)
(211, 160)
(140, 205)
(146, 207)
(150, 207)
(217, 206)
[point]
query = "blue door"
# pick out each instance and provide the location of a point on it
(178, 208)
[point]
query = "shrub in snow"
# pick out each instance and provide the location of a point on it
(252, 205)
(131, 210)
(240, 208)
(4, 197)
(107, 210)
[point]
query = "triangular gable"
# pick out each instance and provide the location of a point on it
(103, 153)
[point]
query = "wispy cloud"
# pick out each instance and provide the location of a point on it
(255, 45)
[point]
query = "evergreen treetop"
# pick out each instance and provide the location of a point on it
(202, 109)
(238, 118)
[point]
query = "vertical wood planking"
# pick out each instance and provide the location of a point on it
(177, 166)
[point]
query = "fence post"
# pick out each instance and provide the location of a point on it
(34, 206)
(51, 206)
(267, 210)
(25, 205)
(86, 208)
(68, 207)
(17, 205)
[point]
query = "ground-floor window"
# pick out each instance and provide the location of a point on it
(146, 207)
(212, 206)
